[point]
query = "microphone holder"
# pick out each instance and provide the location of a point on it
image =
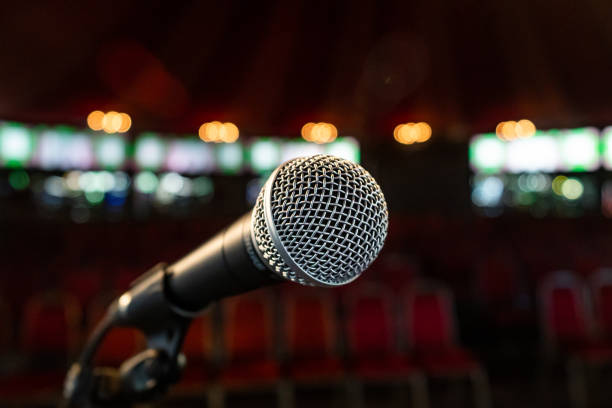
(142, 378)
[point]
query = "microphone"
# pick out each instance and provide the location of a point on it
(318, 220)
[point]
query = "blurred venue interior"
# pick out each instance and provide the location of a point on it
(131, 132)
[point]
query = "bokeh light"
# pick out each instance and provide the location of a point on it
(110, 122)
(572, 189)
(94, 120)
(511, 130)
(409, 133)
(319, 133)
(217, 132)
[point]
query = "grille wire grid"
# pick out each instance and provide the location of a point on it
(329, 217)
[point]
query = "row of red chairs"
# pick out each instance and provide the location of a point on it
(576, 318)
(280, 338)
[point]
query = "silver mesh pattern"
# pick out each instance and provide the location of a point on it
(320, 220)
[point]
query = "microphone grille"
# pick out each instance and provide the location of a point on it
(320, 220)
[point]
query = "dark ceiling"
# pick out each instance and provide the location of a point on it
(270, 67)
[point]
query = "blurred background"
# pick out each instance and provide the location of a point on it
(130, 132)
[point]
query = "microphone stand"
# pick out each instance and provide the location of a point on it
(142, 378)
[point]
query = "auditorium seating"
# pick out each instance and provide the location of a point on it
(373, 347)
(248, 359)
(430, 328)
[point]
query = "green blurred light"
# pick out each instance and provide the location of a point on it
(16, 145)
(146, 182)
(150, 151)
(111, 151)
(19, 179)
(487, 153)
(345, 148)
(94, 197)
(265, 155)
(580, 149)
(202, 186)
(230, 157)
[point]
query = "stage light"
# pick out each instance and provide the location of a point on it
(580, 149)
(217, 132)
(487, 154)
(202, 186)
(572, 189)
(488, 191)
(345, 148)
(306, 131)
(525, 128)
(16, 144)
(54, 186)
(111, 123)
(146, 182)
(557, 184)
(319, 133)
(423, 132)
(19, 179)
(230, 157)
(231, 132)
(171, 182)
(126, 123)
(265, 155)
(94, 120)
(111, 151)
(150, 151)
(509, 130)
(409, 133)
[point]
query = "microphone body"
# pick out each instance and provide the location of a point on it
(318, 221)
(226, 265)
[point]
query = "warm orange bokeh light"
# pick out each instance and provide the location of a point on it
(110, 122)
(508, 130)
(232, 132)
(126, 123)
(94, 120)
(423, 133)
(409, 133)
(511, 130)
(307, 130)
(217, 132)
(525, 128)
(319, 132)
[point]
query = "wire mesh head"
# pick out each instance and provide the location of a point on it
(319, 220)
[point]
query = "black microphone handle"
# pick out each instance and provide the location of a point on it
(223, 266)
(226, 265)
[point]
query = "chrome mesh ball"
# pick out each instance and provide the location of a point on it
(319, 220)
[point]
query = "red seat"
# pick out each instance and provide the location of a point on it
(430, 328)
(601, 287)
(50, 334)
(249, 340)
(371, 336)
(564, 317)
(311, 335)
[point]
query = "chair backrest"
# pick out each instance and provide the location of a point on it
(310, 324)
(370, 322)
(248, 325)
(429, 318)
(564, 308)
(51, 324)
(601, 287)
